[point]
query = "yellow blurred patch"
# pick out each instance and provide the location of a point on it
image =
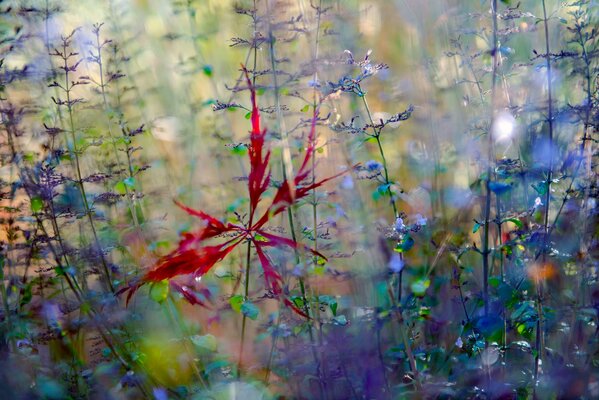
(167, 361)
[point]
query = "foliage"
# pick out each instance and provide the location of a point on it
(423, 227)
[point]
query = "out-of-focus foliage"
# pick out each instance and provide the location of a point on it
(399, 199)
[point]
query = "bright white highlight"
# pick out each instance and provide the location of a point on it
(504, 127)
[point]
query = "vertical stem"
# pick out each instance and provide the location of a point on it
(245, 298)
(396, 304)
(377, 136)
(287, 168)
(540, 334)
(314, 191)
(68, 87)
(132, 207)
(490, 159)
(272, 352)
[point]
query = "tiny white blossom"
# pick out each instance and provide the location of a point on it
(420, 220)
(459, 343)
(538, 202)
(399, 225)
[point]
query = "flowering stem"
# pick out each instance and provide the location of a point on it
(585, 136)
(377, 137)
(130, 203)
(67, 88)
(396, 304)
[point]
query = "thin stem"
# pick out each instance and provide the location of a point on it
(396, 304)
(288, 172)
(315, 102)
(488, 194)
(540, 334)
(132, 207)
(175, 317)
(245, 298)
(376, 135)
(75, 152)
(272, 351)
(585, 137)
(405, 339)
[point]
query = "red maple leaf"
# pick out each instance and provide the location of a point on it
(193, 256)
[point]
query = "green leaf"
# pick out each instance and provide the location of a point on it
(540, 187)
(240, 150)
(419, 287)
(36, 205)
(329, 301)
(120, 187)
(258, 237)
(476, 227)
(384, 188)
(305, 108)
(520, 311)
(318, 271)
(29, 156)
(207, 69)
(129, 182)
(250, 310)
(248, 115)
(236, 302)
(515, 221)
(298, 301)
(333, 306)
(405, 245)
(376, 195)
(159, 291)
(494, 281)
